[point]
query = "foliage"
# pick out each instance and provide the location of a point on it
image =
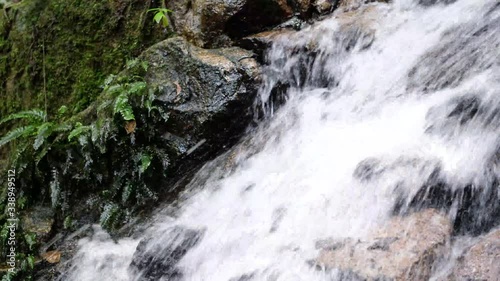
(65, 158)
(78, 42)
(161, 15)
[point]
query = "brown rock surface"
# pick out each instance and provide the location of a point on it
(406, 248)
(481, 261)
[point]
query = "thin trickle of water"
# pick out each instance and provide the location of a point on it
(367, 113)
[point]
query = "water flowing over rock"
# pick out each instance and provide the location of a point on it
(404, 249)
(376, 152)
(480, 261)
(156, 256)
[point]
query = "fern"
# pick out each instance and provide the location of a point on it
(136, 87)
(123, 107)
(145, 162)
(17, 133)
(127, 192)
(33, 116)
(78, 131)
(44, 131)
(110, 217)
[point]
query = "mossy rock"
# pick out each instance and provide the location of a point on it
(55, 52)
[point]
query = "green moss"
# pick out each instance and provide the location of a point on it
(77, 42)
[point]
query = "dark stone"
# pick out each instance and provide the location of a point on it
(475, 209)
(434, 2)
(260, 42)
(368, 169)
(244, 277)
(214, 23)
(206, 94)
(156, 256)
(468, 110)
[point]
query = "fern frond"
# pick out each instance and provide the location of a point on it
(33, 115)
(44, 131)
(78, 131)
(17, 133)
(64, 127)
(41, 154)
(136, 87)
(17, 157)
(128, 189)
(123, 107)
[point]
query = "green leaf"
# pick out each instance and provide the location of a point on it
(30, 239)
(164, 20)
(123, 107)
(31, 261)
(145, 162)
(145, 65)
(44, 132)
(62, 110)
(158, 17)
(78, 131)
(136, 87)
(34, 115)
(17, 133)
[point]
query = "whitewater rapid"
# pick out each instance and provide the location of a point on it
(296, 178)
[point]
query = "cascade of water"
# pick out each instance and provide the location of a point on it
(383, 111)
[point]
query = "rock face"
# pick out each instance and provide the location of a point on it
(404, 249)
(39, 220)
(156, 256)
(207, 94)
(212, 23)
(481, 261)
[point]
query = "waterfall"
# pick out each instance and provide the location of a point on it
(367, 114)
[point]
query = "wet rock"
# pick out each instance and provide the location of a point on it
(259, 42)
(434, 2)
(464, 51)
(475, 208)
(156, 256)
(350, 5)
(481, 261)
(213, 23)
(244, 277)
(207, 94)
(467, 111)
(324, 6)
(38, 220)
(406, 248)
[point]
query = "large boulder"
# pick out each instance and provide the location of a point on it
(406, 248)
(481, 261)
(211, 23)
(207, 94)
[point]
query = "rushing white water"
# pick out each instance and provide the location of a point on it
(390, 85)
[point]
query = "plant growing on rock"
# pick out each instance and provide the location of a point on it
(161, 16)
